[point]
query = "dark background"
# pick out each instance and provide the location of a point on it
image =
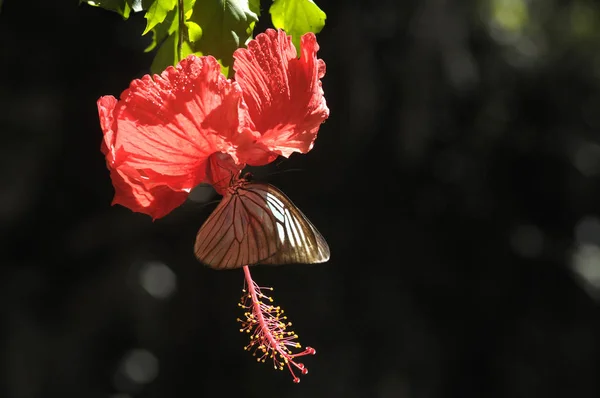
(456, 181)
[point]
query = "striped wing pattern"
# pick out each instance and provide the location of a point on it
(256, 223)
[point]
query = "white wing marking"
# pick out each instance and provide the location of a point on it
(281, 232)
(276, 209)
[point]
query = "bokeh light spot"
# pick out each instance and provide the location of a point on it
(585, 263)
(510, 15)
(158, 280)
(140, 366)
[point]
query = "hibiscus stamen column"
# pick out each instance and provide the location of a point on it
(270, 337)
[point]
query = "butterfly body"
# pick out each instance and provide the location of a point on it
(256, 223)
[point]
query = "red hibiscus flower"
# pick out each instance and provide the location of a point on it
(190, 125)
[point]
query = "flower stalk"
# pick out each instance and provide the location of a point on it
(268, 329)
(182, 29)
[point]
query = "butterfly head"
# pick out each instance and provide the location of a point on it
(248, 176)
(237, 182)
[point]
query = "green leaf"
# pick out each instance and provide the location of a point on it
(169, 24)
(157, 12)
(194, 31)
(254, 6)
(225, 25)
(166, 36)
(188, 5)
(297, 17)
(121, 7)
(225, 70)
(162, 30)
(165, 55)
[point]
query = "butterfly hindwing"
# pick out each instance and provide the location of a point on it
(237, 233)
(256, 223)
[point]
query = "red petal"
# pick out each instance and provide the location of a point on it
(284, 97)
(106, 106)
(172, 124)
(131, 193)
(159, 136)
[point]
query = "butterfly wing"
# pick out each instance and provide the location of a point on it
(258, 224)
(237, 233)
(299, 240)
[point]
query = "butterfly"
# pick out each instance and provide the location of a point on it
(256, 223)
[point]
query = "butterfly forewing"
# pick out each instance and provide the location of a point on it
(300, 242)
(257, 224)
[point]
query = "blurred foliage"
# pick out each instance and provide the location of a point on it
(121, 7)
(511, 15)
(167, 35)
(297, 17)
(157, 11)
(225, 25)
(212, 27)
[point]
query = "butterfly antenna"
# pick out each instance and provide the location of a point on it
(195, 207)
(283, 171)
(281, 161)
(210, 202)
